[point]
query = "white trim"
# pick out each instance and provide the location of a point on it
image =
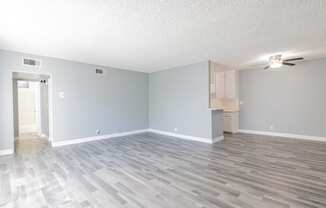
(50, 97)
(95, 138)
(186, 137)
(218, 139)
(287, 135)
(6, 152)
(51, 108)
(38, 113)
(43, 136)
(109, 136)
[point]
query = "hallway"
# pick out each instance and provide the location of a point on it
(31, 144)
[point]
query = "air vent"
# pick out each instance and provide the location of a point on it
(99, 71)
(31, 62)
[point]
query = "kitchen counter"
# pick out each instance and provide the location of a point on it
(224, 110)
(231, 110)
(215, 109)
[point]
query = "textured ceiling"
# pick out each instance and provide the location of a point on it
(151, 35)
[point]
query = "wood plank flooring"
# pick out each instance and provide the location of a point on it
(155, 171)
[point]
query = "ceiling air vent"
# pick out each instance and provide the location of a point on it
(99, 71)
(31, 62)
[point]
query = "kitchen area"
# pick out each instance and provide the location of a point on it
(224, 94)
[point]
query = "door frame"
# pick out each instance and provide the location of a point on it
(50, 100)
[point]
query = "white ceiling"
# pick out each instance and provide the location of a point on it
(151, 35)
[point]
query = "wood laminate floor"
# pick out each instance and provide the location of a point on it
(154, 171)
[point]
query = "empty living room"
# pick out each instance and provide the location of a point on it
(163, 104)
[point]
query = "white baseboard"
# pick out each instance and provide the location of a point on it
(187, 137)
(95, 138)
(108, 136)
(277, 134)
(218, 139)
(44, 136)
(6, 152)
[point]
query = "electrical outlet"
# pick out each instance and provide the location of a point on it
(176, 129)
(98, 132)
(271, 127)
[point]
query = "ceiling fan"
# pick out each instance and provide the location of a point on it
(277, 61)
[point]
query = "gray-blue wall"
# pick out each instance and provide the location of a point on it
(293, 101)
(178, 98)
(116, 101)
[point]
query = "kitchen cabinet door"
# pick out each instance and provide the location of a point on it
(230, 85)
(220, 85)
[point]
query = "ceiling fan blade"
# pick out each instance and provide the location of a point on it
(294, 59)
(288, 64)
(266, 67)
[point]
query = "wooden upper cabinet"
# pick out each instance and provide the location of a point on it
(225, 85)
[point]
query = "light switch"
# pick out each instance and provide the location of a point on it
(61, 95)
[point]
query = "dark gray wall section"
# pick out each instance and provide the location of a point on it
(294, 100)
(178, 98)
(6, 107)
(217, 123)
(116, 101)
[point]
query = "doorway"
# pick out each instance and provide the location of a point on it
(31, 112)
(29, 102)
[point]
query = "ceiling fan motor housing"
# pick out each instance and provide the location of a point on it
(275, 61)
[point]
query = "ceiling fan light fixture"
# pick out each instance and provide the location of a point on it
(275, 65)
(275, 61)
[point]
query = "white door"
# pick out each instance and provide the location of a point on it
(28, 107)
